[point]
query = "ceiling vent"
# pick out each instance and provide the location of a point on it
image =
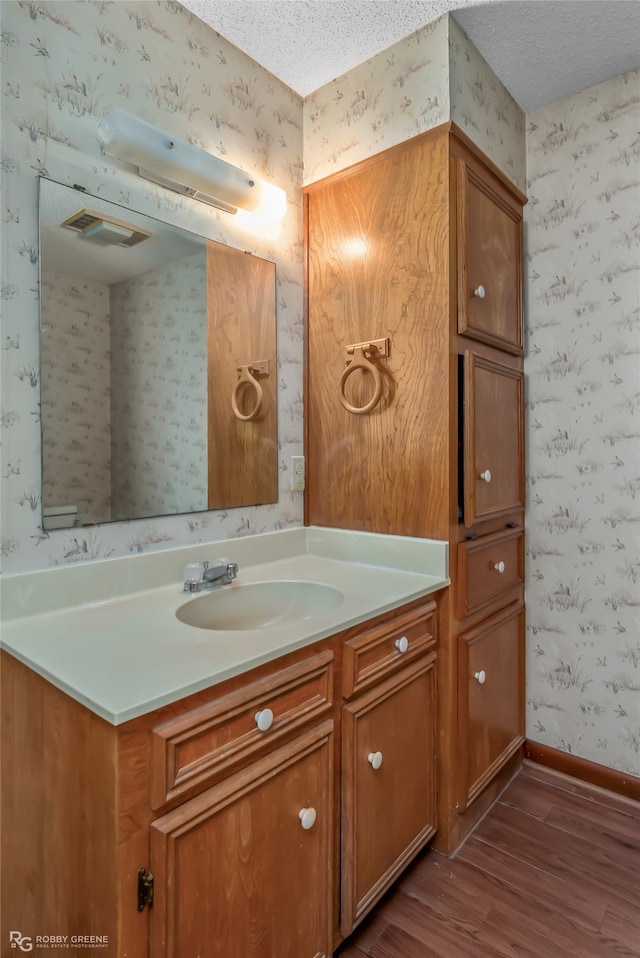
(105, 230)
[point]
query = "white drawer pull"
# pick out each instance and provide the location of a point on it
(375, 760)
(307, 818)
(480, 677)
(499, 567)
(264, 719)
(479, 292)
(402, 644)
(486, 475)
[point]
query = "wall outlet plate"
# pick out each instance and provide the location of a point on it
(297, 472)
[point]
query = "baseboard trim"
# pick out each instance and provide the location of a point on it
(600, 775)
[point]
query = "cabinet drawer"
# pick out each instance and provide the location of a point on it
(380, 651)
(487, 568)
(204, 744)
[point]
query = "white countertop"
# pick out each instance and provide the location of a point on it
(127, 655)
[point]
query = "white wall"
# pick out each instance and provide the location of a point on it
(583, 376)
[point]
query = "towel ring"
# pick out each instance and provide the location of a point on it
(361, 361)
(247, 378)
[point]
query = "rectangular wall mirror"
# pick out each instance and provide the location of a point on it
(158, 366)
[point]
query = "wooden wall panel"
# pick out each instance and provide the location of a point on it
(386, 471)
(241, 308)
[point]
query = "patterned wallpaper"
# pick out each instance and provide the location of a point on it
(484, 109)
(76, 416)
(159, 390)
(583, 372)
(434, 75)
(64, 65)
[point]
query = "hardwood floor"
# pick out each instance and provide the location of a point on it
(552, 870)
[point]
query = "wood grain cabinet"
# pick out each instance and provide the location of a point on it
(489, 231)
(490, 697)
(388, 759)
(232, 823)
(493, 459)
(414, 262)
(244, 869)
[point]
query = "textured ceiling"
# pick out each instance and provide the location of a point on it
(542, 50)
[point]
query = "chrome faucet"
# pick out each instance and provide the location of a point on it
(199, 576)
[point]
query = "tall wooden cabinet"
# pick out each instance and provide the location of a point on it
(414, 416)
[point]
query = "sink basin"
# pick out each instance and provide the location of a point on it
(259, 605)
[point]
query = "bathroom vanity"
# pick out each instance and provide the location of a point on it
(228, 791)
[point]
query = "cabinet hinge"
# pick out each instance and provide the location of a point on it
(145, 888)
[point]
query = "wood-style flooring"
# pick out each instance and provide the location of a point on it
(552, 870)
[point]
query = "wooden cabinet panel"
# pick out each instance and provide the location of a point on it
(204, 744)
(487, 568)
(236, 874)
(493, 425)
(388, 812)
(378, 266)
(378, 652)
(489, 262)
(491, 696)
(241, 319)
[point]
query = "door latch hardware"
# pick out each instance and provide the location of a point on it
(145, 888)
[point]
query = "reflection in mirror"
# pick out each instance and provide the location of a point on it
(146, 332)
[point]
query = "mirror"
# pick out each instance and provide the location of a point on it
(157, 366)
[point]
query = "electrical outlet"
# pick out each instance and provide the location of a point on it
(297, 472)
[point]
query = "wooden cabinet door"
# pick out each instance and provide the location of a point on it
(388, 784)
(493, 425)
(378, 267)
(491, 697)
(236, 873)
(489, 262)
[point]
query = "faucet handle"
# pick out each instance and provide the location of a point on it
(193, 576)
(193, 572)
(232, 567)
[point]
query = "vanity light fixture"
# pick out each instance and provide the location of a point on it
(181, 166)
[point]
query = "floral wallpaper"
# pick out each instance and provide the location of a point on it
(484, 109)
(159, 390)
(583, 373)
(76, 461)
(64, 66)
(432, 76)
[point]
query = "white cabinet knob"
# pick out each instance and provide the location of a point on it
(264, 719)
(486, 475)
(480, 677)
(307, 818)
(479, 292)
(374, 759)
(499, 567)
(402, 644)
